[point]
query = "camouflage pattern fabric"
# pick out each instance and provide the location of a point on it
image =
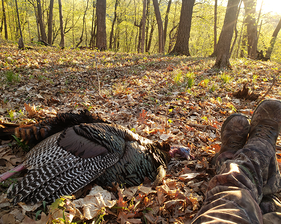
(243, 189)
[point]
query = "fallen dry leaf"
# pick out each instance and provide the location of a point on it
(97, 199)
(44, 219)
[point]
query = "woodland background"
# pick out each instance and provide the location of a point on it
(40, 21)
(161, 96)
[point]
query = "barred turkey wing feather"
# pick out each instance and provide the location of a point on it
(45, 152)
(39, 176)
(73, 179)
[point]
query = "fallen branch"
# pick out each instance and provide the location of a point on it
(273, 82)
(98, 75)
(202, 126)
(9, 145)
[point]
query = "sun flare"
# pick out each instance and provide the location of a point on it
(269, 6)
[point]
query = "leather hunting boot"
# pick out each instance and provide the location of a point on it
(234, 134)
(265, 127)
(266, 121)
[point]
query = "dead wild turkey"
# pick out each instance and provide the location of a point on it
(76, 150)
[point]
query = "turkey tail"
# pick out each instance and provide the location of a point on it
(7, 130)
(32, 134)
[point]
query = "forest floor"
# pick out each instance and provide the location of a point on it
(165, 98)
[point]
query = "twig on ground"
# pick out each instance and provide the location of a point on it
(9, 145)
(273, 82)
(97, 74)
(202, 126)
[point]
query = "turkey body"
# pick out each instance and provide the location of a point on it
(69, 160)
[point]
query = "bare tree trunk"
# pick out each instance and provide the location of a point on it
(259, 32)
(258, 19)
(150, 36)
(160, 26)
(21, 44)
(147, 24)
(143, 26)
(182, 43)
(250, 10)
(166, 21)
(113, 23)
(61, 26)
(43, 36)
(215, 24)
(101, 26)
(222, 60)
(84, 25)
(272, 41)
(243, 45)
(92, 44)
(235, 30)
(73, 35)
(50, 22)
(240, 38)
(172, 37)
(5, 20)
(27, 20)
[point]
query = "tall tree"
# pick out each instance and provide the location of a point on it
(235, 30)
(251, 24)
(50, 22)
(113, 23)
(182, 42)
(160, 26)
(61, 26)
(223, 46)
(166, 21)
(101, 26)
(21, 44)
(143, 21)
(215, 23)
(84, 25)
(43, 36)
(92, 40)
(272, 41)
(4, 20)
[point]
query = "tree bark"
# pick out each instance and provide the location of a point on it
(92, 42)
(43, 36)
(150, 36)
(84, 25)
(61, 26)
(160, 26)
(182, 42)
(21, 44)
(222, 60)
(101, 26)
(5, 20)
(113, 23)
(235, 30)
(147, 25)
(50, 22)
(166, 21)
(143, 21)
(251, 24)
(215, 24)
(272, 41)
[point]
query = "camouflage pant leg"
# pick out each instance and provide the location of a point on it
(235, 193)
